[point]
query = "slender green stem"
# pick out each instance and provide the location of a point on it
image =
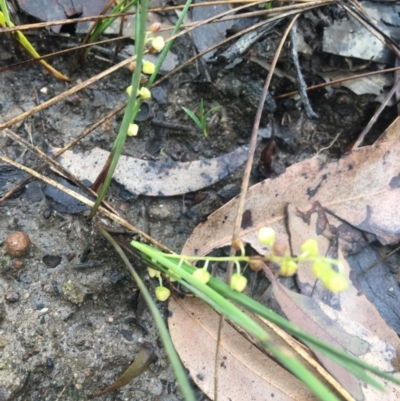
(162, 328)
(130, 110)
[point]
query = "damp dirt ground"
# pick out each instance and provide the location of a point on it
(67, 332)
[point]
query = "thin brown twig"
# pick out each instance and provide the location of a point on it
(55, 165)
(372, 121)
(8, 67)
(86, 201)
(338, 81)
(245, 183)
(64, 149)
(154, 10)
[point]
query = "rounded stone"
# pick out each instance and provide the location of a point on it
(18, 264)
(17, 244)
(12, 297)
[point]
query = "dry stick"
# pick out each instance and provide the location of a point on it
(159, 9)
(300, 79)
(61, 151)
(56, 166)
(338, 81)
(86, 201)
(365, 131)
(8, 67)
(65, 94)
(245, 183)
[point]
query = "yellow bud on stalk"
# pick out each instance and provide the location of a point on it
(148, 67)
(238, 282)
(320, 267)
(133, 129)
(144, 93)
(153, 272)
(310, 248)
(158, 43)
(162, 293)
(129, 90)
(266, 235)
(202, 275)
(334, 281)
(288, 268)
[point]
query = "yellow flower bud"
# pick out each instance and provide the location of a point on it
(238, 282)
(320, 267)
(133, 129)
(129, 90)
(288, 268)
(153, 272)
(310, 248)
(266, 235)
(158, 43)
(202, 275)
(334, 281)
(144, 93)
(162, 293)
(148, 67)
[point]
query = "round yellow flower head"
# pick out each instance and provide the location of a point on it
(158, 43)
(238, 282)
(202, 275)
(162, 293)
(133, 130)
(266, 235)
(310, 248)
(148, 67)
(153, 272)
(144, 93)
(288, 268)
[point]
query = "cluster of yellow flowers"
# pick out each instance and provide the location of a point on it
(332, 280)
(157, 43)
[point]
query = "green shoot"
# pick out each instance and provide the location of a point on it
(201, 121)
(134, 103)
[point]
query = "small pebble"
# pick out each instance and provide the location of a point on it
(47, 214)
(43, 90)
(73, 293)
(12, 297)
(18, 264)
(17, 244)
(49, 363)
(51, 261)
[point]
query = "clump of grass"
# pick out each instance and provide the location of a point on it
(201, 120)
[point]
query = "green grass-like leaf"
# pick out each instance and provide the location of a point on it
(349, 362)
(161, 326)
